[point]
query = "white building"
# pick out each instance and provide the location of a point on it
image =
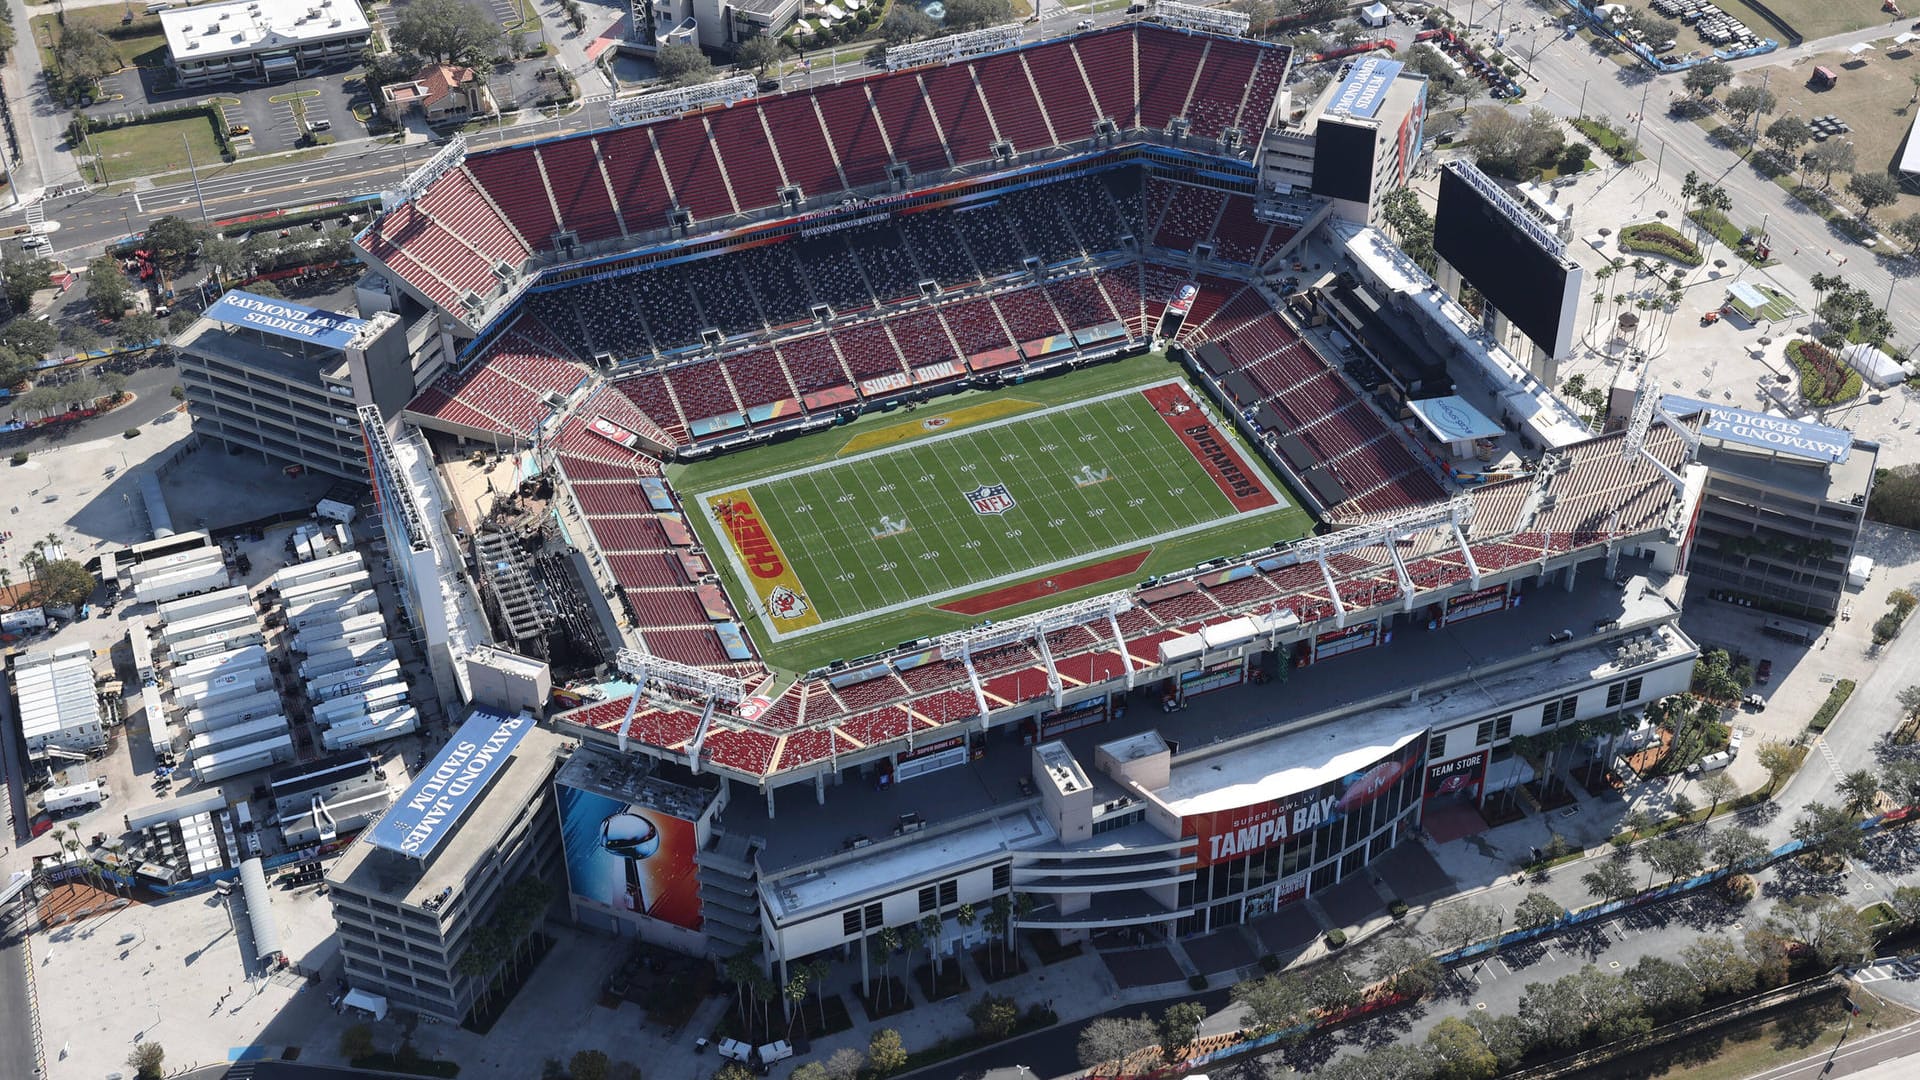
(262, 40)
(59, 707)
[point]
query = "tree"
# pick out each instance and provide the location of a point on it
(1830, 157)
(449, 32)
(1779, 760)
(682, 64)
(1827, 831)
(1673, 856)
(845, 1064)
(1178, 1027)
(1905, 903)
(1462, 923)
(62, 583)
(1459, 1052)
(976, 14)
(171, 242)
(1826, 924)
(80, 338)
(1611, 880)
(811, 1070)
(733, 1070)
(1273, 1003)
(993, 1016)
(356, 1042)
(224, 257)
(935, 929)
(758, 54)
(1681, 806)
(1737, 848)
(1668, 990)
(589, 1065)
(1900, 779)
(1789, 133)
(84, 56)
(1512, 145)
(1587, 1002)
(1719, 787)
(1537, 909)
(1702, 80)
(1746, 102)
(25, 275)
(146, 1060)
(885, 1055)
(1113, 1038)
(1412, 226)
(138, 330)
(265, 287)
(1907, 230)
(1722, 965)
(1331, 988)
(1858, 791)
(1873, 190)
(107, 287)
(905, 23)
(1407, 968)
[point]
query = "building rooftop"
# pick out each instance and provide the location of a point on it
(307, 365)
(245, 26)
(373, 871)
(55, 691)
(1472, 664)
(637, 781)
(878, 869)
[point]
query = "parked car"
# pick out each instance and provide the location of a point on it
(1764, 672)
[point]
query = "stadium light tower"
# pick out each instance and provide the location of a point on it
(1649, 406)
(711, 688)
(1454, 514)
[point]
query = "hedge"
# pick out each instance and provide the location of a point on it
(1830, 708)
(1655, 238)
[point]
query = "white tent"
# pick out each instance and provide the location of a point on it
(1860, 49)
(1375, 15)
(1873, 365)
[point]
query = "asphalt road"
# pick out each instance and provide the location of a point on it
(16, 1026)
(152, 389)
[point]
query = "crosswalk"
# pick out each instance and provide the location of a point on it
(1891, 967)
(1827, 752)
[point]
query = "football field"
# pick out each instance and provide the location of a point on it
(924, 513)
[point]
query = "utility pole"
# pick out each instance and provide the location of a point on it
(195, 173)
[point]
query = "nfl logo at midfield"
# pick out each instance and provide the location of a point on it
(990, 499)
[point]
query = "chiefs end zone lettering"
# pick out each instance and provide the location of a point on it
(769, 573)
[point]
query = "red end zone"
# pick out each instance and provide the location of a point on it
(1007, 596)
(1223, 462)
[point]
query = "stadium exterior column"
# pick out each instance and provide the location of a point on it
(820, 788)
(1571, 568)
(769, 804)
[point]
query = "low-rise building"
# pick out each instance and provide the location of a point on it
(410, 893)
(442, 94)
(262, 40)
(59, 705)
(284, 379)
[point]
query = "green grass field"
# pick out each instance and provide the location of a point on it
(868, 527)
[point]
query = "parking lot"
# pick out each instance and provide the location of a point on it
(327, 95)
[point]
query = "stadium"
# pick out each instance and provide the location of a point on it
(958, 404)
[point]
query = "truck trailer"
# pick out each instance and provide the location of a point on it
(365, 730)
(320, 664)
(371, 700)
(221, 764)
(184, 583)
(233, 711)
(224, 687)
(212, 622)
(336, 588)
(241, 734)
(305, 618)
(306, 638)
(205, 604)
(332, 566)
(352, 680)
(75, 796)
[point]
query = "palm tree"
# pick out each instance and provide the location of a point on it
(889, 944)
(999, 915)
(795, 992)
(818, 969)
(740, 968)
(935, 928)
(965, 916)
(912, 936)
(1522, 746)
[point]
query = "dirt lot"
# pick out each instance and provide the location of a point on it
(1872, 96)
(1813, 18)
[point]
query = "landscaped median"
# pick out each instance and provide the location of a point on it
(1658, 238)
(1824, 380)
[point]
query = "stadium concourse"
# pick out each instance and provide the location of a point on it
(711, 279)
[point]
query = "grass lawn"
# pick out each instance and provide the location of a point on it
(156, 146)
(1742, 1050)
(1604, 139)
(245, 164)
(873, 524)
(1812, 18)
(139, 42)
(1871, 97)
(1779, 305)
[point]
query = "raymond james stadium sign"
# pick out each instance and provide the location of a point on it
(447, 788)
(1803, 439)
(288, 320)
